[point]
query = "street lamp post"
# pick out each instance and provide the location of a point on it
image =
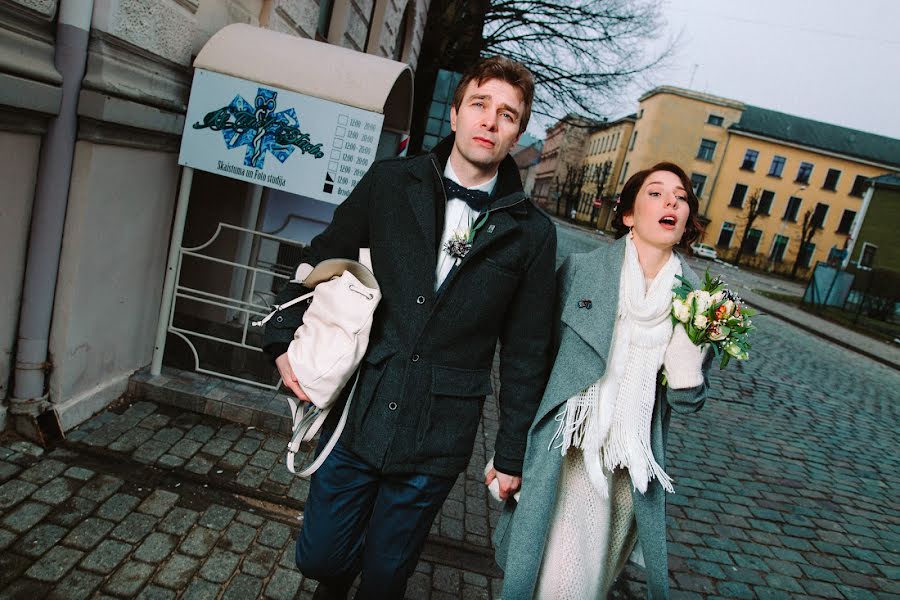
(781, 229)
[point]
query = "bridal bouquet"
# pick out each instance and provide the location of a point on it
(713, 315)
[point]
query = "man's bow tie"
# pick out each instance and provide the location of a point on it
(476, 199)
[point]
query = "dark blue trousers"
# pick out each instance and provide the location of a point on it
(359, 519)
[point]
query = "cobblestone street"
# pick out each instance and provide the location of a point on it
(786, 486)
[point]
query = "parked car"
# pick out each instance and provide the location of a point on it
(704, 251)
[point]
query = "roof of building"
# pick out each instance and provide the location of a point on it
(816, 134)
(694, 95)
(608, 124)
(887, 180)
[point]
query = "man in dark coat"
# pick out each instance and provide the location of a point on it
(463, 260)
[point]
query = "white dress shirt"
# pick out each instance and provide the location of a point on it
(457, 215)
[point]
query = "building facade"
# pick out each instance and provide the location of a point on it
(758, 173)
(561, 157)
(875, 241)
(86, 223)
(604, 158)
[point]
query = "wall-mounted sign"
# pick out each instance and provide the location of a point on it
(277, 138)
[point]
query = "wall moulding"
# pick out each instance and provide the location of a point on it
(22, 121)
(115, 134)
(118, 68)
(26, 44)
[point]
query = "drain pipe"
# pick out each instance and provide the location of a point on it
(51, 196)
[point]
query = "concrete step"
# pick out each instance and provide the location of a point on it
(240, 403)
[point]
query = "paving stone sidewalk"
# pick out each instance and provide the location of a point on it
(144, 501)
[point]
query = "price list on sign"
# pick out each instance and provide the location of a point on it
(353, 150)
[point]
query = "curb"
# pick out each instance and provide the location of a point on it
(824, 336)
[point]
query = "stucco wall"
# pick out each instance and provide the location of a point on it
(110, 280)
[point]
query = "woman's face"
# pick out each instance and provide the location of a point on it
(660, 211)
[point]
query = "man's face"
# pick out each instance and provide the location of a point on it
(487, 123)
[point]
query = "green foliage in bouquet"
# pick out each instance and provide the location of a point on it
(713, 315)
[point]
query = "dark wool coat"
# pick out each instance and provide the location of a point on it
(584, 338)
(428, 366)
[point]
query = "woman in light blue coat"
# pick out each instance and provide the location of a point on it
(594, 479)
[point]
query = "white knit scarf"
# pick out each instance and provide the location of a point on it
(610, 420)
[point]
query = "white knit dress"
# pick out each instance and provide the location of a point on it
(590, 536)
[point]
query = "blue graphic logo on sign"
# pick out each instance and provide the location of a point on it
(261, 129)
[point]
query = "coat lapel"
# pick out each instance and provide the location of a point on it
(598, 281)
(422, 200)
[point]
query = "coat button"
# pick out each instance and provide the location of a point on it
(420, 300)
(279, 319)
(392, 406)
(415, 358)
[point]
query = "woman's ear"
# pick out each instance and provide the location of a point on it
(628, 219)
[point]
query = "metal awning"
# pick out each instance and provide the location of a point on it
(312, 68)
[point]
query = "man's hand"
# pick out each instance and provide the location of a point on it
(288, 378)
(509, 484)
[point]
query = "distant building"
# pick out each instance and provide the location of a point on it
(874, 241)
(527, 159)
(735, 155)
(564, 149)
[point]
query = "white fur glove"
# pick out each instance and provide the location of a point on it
(683, 361)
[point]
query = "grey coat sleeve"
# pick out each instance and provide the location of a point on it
(525, 355)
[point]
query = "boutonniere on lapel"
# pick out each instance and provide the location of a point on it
(460, 241)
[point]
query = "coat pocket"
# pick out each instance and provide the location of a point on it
(450, 421)
(372, 370)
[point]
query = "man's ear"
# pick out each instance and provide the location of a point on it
(453, 119)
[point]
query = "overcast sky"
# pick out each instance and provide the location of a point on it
(836, 61)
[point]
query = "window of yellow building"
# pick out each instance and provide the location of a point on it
(751, 244)
(792, 210)
(698, 182)
(831, 179)
(707, 149)
(779, 244)
(725, 235)
(804, 172)
(846, 221)
(715, 120)
(738, 195)
(819, 214)
(777, 166)
(859, 186)
(750, 157)
(806, 254)
(765, 202)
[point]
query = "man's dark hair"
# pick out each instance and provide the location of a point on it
(504, 69)
(692, 229)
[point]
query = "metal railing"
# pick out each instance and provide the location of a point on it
(251, 303)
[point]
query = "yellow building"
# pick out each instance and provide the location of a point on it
(604, 155)
(739, 155)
